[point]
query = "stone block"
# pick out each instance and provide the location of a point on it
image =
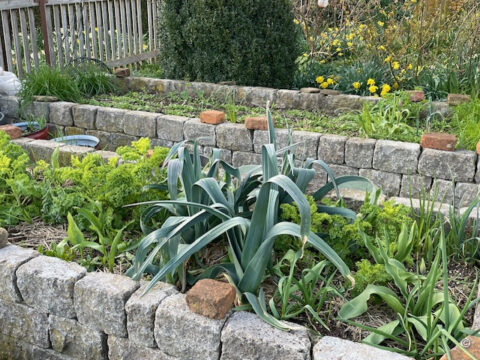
(310, 90)
(48, 354)
(70, 338)
(342, 103)
(331, 149)
(255, 96)
(104, 138)
(396, 156)
(141, 313)
(161, 143)
(42, 149)
(442, 191)
(124, 349)
(211, 298)
(69, 130)
(287, 99)
(332, 348)
(14, 132)
(67, 151)
(107, 155)
(225, 155)
(11, 258)
(414, 185)
(458, 165)
(22, 322)
(311, 102)
(416, 95)
(318, 181)
(140, 123)
(100, 302)
(342, 170)
(307, 144)
(388, 182)
(195, 130)
(122, 72)
(3, 238)
(256, 123)
(465, 194)
(457, 99)
(213, 117)
(439, 141)
(111, 120)
(240, 158)
(84, 116)
(9, 106)
(170, 127)
(438, 208)
(46, 284)
(261, 138)
(359, 152)
(184, 334)
(245, 336)
(61, 113)
(37, 110)
(15, 349)
(234, 137)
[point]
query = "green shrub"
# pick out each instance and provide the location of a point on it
(252, 42)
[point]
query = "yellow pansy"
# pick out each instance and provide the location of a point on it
(370, 82)
(356, 85)
(319, 79)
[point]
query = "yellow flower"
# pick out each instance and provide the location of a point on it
(340, 54)
(370, 82)
(381, 47)
(386, 88)
(410, 66)
(296, 21)
(373, 89)
(339, 49)
(388, 59)
(356, 85)
(311, 38)
(362, 26)
(413, 1)
(319, 79)
(349, 44)
(335, 42)
(395, 85)
(396, 65)
(323, 61)
(324, 85)
(330, 81)
(380, 23)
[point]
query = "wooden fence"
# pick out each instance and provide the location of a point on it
(60, 31)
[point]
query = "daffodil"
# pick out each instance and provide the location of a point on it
(388, 59)
(330, 81)
(380, 23)
(373, 89)
(396, 65)
(349, 44)
(370, 82)
(296, 21)
(356, 85)
(324, 85)
(410, 66)
(320, 79)
(381, 47)
(386, 88)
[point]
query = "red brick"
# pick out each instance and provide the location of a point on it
(13, 131)
(213, 117)
(470, 343)
(416, 95)
(478, 148)
(211, 298)
(122, 72)
(256, 123)
(457, 99)
(439, 141)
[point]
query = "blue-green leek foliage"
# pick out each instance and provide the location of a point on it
(239, 205)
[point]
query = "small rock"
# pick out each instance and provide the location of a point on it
(439, 141)
(470, 343)
(457, 99)
(213, 117)
(310, 90)
(416, 95)
(329, 92)
(3, 238)
(122, 72)
(13, 131)
(230, 83)
(42, 98)
(256, 123)
(211, 298)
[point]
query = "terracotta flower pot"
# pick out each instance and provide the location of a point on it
(39, 135)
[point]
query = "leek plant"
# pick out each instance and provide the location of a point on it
(240, 206)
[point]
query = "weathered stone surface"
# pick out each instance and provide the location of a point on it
(442, 191)
(170, 127)
(104, 138)
(123, 349)
(342, 103)
(261, 138)
(457, 99)
(140, 123)
(234, 137)
(225, 155)
(12, 131)
(412, 185)
(37, 110)
(45, 98)
(213, 117)
(287, 99)
(15, 349)
(100, 302)
(310, 90)
(329, 92)
(388, 182)
(307, 144)
(9, 106)
(184, 334)
(465, 193)
(11, 258)
(331, 149)
(195, 130)
(22, 322)
(359, 152)
(70, 338)
(161, 143)
(254, 96)
(211, 298)
(42, 149)
(141, 313)
(416, 95)
(342, 170)
(48, 354)
(107, 155)
(46, 284)
(256, 123)
(66, 152)
(117, 140)
(3, 237)
(438, 208)
(122, 72)
(245, 336)
(396, 156)
(458, 165)
(111, 120)
(320, 178)
(332, 348)
(477, 174)
(240, 158)
(61, 113)
(69, 130)
(310, 101)
(471, 344)
(84, 116)
(439, 141)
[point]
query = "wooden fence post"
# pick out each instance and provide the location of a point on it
(42, 4)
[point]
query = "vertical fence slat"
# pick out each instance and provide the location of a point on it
(100, 26)
(117, 30)
(79, 22)
(16, 42)
(50, 35)
(154, 21)
(25, 40)
(124, 30)
(93, 28)
(58, 34)
(140, 26)
(133, 5)
(128, 13)
(111, 26)
(150, 27)
(65, 35)
(33, 36)
(7, 40)
(71, 21)
(2, 64)
(85, 32)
